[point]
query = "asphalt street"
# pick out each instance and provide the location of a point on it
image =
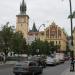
(50, 70)
(56, 70)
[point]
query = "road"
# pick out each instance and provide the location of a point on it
(50, 70)
(56, 70)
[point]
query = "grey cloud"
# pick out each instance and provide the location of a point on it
(39, 11)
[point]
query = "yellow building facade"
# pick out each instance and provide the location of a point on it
(74, 41)
(54, 34)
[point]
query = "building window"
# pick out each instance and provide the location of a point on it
(21, 25)
(47, 33)
(56, 42)
(52, 42)
(42, 33)
(59, 42)
(59, 33)
(53, 31)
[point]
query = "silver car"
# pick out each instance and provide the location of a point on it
(27, 67)
(50, 61)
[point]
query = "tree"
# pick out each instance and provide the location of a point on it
(17, 42)
(72, 16)
(24, 47)
(33, 47)
(29, 49)
(45, 47)
(53, 47)
(36, 47)
(11, 41)
(6, 35)
(40, 47)
(5, 38)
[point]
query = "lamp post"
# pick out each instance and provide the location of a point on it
(72, 52)
(40, 26)
(37, 50)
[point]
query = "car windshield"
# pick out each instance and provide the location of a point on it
(32, 64)
(25, 64)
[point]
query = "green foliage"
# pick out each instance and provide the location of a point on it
(33, 47)
(12, 41)
(72, 16)
(24, 49)
(44, 47)
(17, 42)
(6, 35)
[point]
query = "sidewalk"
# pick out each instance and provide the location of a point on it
(8, 62)
(67, 72)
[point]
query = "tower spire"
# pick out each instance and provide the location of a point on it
(34, 29)
(23, 8)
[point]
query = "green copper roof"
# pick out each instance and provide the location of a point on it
(23, 8)
(34, 29)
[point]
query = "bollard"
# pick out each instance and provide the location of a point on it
(72, 67)
(72, 62)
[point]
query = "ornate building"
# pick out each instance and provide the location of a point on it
(22, 20)
(53, 33)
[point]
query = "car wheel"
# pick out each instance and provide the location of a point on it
(41, 72)
(33, 73)
(45, 66)
(16, 74)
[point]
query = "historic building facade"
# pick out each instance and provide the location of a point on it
(22, 20)
(74, 41)
(53, 33)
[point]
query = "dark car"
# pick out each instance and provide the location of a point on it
(27, 67)
(40, 60)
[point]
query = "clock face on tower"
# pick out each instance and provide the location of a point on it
(20, 19)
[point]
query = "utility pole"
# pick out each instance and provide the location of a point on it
(72, 52)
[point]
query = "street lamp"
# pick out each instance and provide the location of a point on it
(72, 52)
(71, 16)
(37, 50)
(40, 26)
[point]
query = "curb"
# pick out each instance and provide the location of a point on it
(67, 72)
(8, 63)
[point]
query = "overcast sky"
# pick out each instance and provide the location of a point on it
(39, 11)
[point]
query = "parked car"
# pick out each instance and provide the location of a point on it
(59, 58)
(27, 67)
(40, 60)
(50, 61)
(62, 60)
